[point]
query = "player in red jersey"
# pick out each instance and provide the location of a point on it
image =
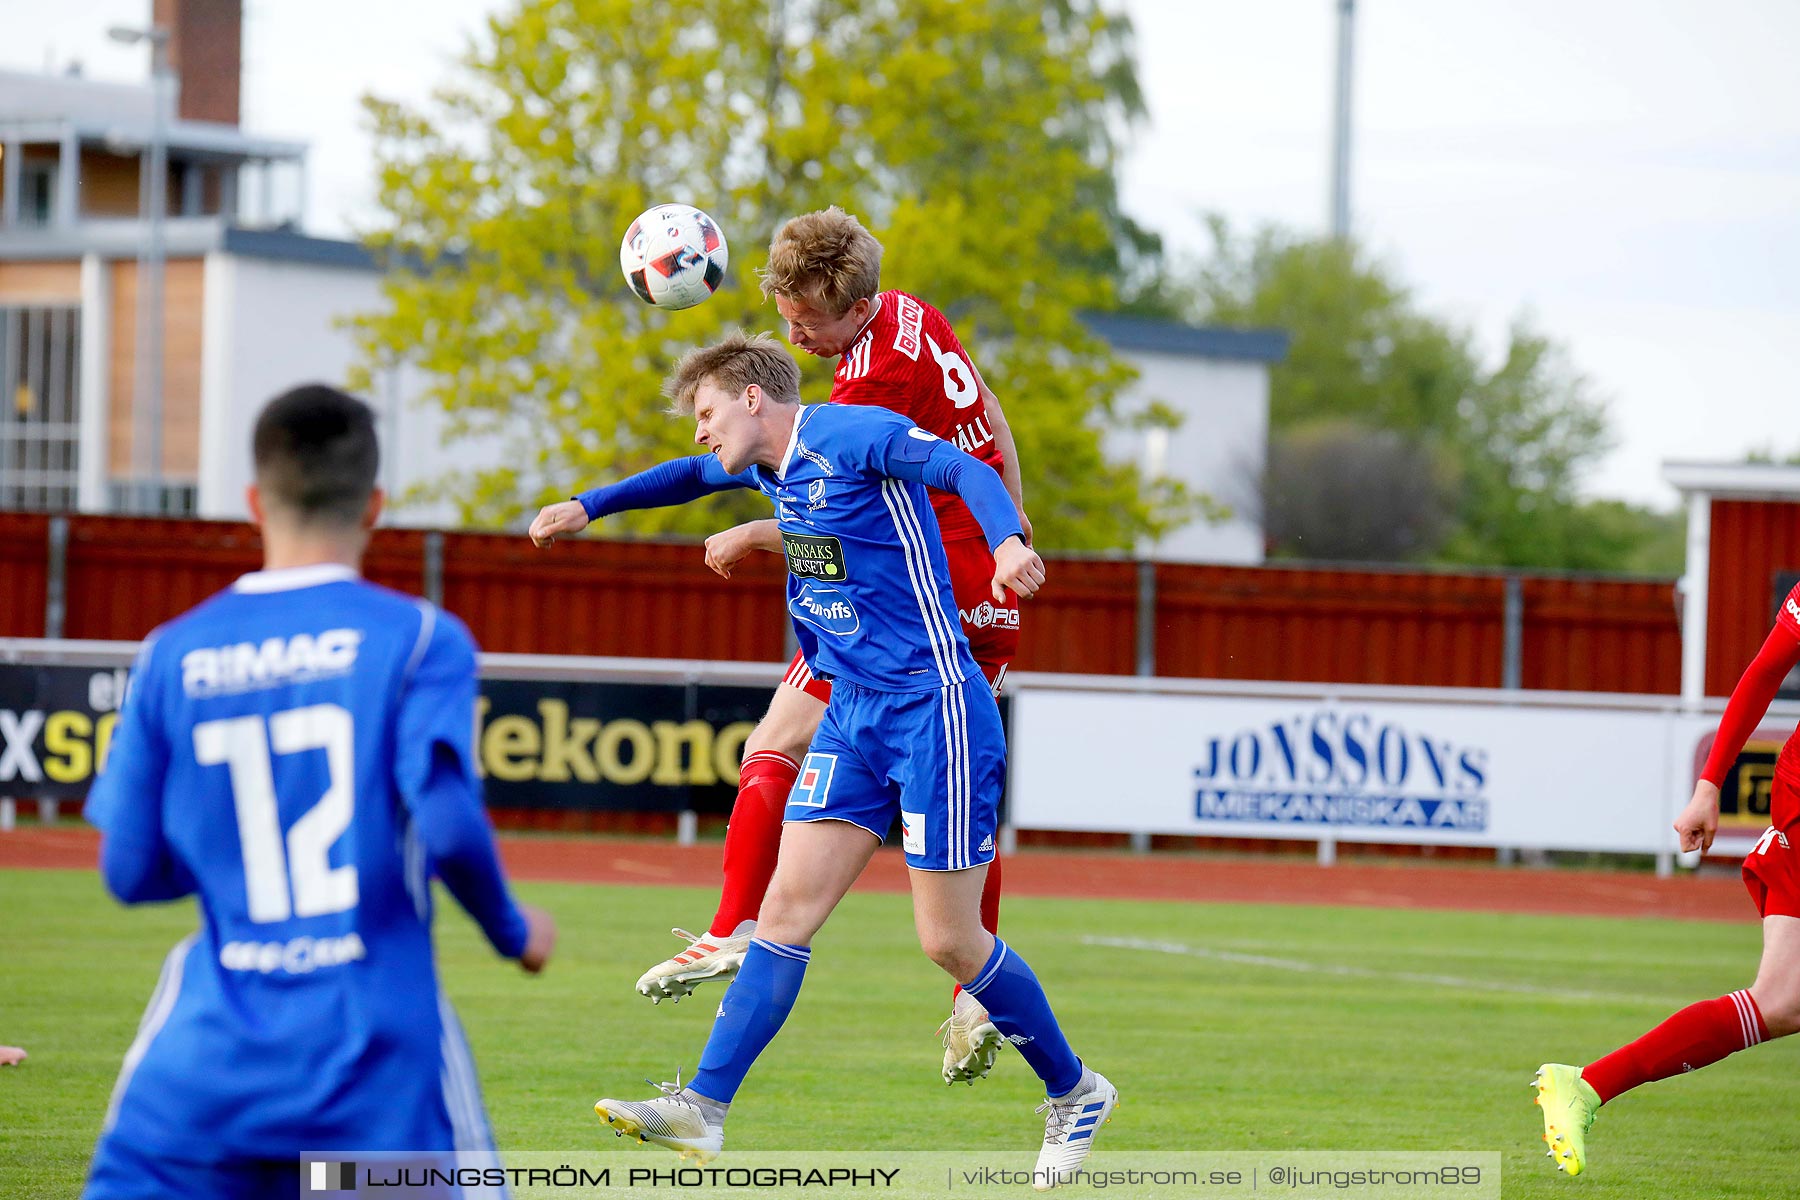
(1704, 1033)
(896, 351)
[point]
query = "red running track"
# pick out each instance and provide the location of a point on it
(1117, 876)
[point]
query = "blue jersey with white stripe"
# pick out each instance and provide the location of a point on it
(297, 752)
(868, 583)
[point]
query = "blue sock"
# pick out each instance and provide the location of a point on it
(1015, 1000)
(755, 1005)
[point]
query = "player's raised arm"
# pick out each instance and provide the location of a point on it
(729, 547)
(1749, 702)
(663, 486)
(1010, 471)
(126, 803)
(907, 452)
(435, 774)
(562, 519)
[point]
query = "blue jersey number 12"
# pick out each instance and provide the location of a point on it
(244, 745)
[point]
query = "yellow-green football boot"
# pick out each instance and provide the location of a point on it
(1569, 1105)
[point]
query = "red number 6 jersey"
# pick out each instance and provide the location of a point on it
(908, 359)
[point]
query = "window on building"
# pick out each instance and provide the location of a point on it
(40, 423)
(37, 193)
(153, 499)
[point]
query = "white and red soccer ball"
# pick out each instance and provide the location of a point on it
(673, 256)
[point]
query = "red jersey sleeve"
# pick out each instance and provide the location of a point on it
(1789, 616)
(1755, 690)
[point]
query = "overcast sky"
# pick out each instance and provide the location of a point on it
(1627, 175)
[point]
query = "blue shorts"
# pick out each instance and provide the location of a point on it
(936, 759)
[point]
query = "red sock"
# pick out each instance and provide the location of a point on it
(990, 898)
(753, 836)
(1697, 1036)
(990, 909)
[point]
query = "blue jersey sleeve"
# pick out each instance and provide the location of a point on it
(126, 802)
(434, 771)
(904, 451)
(663, 486)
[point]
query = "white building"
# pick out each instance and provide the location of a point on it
(1218, 381)
(250, 306)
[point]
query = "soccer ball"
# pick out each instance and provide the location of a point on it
(673, 256)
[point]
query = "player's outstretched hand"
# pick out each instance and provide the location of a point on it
(554, 520)
(1025, 526)
(1017, 566)
(540, 938)
(729, 547)
(11, 1056)
(1699, 821)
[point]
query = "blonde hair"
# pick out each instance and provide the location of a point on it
(734, 362)
(824, 258)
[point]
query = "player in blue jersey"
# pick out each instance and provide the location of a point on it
(295, 752)
(912, 729)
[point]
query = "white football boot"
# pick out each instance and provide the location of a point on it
(970, 1041)
(707, 959)
(1070, 1127)
(673, 1119)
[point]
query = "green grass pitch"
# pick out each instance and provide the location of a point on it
(1284, 1028)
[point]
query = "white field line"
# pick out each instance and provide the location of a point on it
(1301, 966)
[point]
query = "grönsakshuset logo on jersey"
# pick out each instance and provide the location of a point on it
(825, 608)
(814, 557)
(1332, 767)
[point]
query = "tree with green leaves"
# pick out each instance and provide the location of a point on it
(1503, 447)
(1314, 499)
(975, 138)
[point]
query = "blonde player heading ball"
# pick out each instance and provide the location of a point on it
(912, 731)
(897, 352)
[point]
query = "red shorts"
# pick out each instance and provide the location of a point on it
(992, 629)
(1772, 870)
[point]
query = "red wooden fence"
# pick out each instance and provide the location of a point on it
(24, 573)
(1751, 541)
(631, 599)
(657, 599)
(1331, 625)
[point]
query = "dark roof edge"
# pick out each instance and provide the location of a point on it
(1192, 341)
(285, 245)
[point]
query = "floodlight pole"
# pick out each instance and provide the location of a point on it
(1340, 142)
(153, 200)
